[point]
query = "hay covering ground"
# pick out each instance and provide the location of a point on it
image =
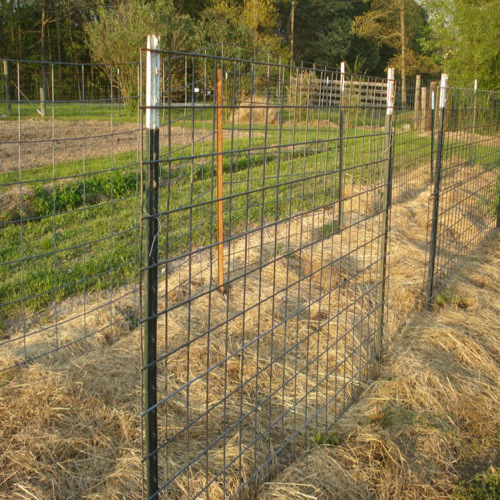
(432, 418)
(72, 429)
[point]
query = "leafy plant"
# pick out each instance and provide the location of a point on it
(485, 486)
(72, 195)
(452, 299)
(326, 439)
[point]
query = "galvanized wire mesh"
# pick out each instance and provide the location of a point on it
(69, 182)
(465, 205)
(270, 314)
(262, 349)
(414, 142)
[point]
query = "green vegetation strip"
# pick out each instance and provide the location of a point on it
(81, 233)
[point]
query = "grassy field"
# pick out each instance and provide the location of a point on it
(69, 279)
(94, 212)
(101, 110)
(247, 380)
(79, 232)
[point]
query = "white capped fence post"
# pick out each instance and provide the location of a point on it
(341, 145)
(443, 87)
(152, 237)
(473, 133)
(385, 209)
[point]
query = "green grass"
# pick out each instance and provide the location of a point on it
(122, 113)
(322, 439)
(485, 486)
(90, 220)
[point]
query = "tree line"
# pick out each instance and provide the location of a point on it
(415, 36)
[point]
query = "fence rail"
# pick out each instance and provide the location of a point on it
(240, 215)
(326, 92)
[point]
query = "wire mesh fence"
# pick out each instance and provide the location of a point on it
(265, 192)
(465, 204)
(69, 184)
(266, 218)
(414, 142)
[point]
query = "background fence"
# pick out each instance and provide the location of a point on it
(69, 198)
(465, 204)
(264, 249)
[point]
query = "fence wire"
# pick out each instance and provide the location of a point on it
(465, 205)
(270, 288)
(414, 141)
(69, 186)
(267, 327)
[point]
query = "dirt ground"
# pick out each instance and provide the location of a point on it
(34, 142)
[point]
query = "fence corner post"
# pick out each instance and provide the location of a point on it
(152, 237)
(386, 207)
(437, 183)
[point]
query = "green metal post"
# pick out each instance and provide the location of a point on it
(437, 185)
(341, 145)
(433, 89)
(152, 237)
(387, 201)
(472, 150)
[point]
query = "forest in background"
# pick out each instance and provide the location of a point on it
(416, 36)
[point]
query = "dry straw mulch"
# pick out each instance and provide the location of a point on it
(72, 429)
(433, 417)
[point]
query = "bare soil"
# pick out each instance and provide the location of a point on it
(33, 142)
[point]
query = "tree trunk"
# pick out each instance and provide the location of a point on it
(58, 38)
(19, 33)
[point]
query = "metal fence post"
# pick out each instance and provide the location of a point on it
(220, 185)
(474, 118)
(498, 201)
(387, 201)
(498, 210)
(433, 89)
(437, 182)
(151, 306)
(341, 145)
